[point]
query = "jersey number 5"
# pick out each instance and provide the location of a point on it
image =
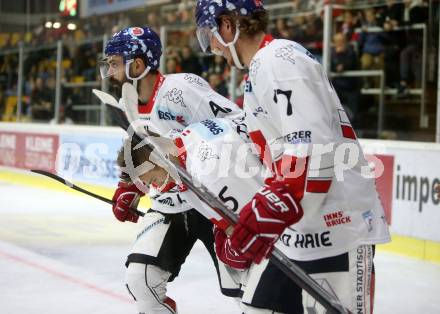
(226, 199)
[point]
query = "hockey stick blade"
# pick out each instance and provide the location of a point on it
(79, 189)
(288, 267)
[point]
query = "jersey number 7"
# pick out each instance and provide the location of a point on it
(288, 95)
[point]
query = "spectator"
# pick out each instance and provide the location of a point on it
(391, 15)
(344, 58)
(63, 118)
(313, 34)
(411, 55)
(153, 21)
(393, 43)
(218, 66)
(190, 62)
(42, 100)
(172, 66)
(2, 103)
(171, 18)
(298, 28)
(218, 84)
(349, 23)
(185, 16)
(371, 43)
(281, 29)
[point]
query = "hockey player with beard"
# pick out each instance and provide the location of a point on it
(166, 104)
(292, 112)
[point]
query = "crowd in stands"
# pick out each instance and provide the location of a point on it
(364, 39)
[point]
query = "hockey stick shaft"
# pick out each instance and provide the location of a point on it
(278, 258)
(79, 189)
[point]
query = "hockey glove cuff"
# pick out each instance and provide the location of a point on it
(263, 220)
(126, 195)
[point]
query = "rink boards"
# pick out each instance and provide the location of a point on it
(87, 155)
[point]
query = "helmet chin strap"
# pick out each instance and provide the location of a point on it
(231, 46)
(135, 79)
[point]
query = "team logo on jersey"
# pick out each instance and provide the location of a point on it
(286, 53)
(175, 96)
(254, 66)
(136, 31)
(205, 153)
(193, 79)
(368, 218)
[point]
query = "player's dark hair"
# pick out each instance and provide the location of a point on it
(251, 25)
(145, 61)
(138, 156)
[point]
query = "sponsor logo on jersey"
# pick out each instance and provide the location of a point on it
(175, 96)
(167, 115)
(307, 240)
(336, 218)
(213, 127)
(193, 79)
(298, 137)
(166, 201)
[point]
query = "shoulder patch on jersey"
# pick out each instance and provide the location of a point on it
(248, 86)
(253, 68)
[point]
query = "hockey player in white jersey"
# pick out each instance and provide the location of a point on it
(215, 154)
(166, 104)
(295, 117)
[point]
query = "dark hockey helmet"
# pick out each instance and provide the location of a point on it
(208, 11)
(135, 42)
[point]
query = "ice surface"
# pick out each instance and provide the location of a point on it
(65, 253)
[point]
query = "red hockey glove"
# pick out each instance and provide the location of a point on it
(126, 195)
(263, 220)
(226, 254)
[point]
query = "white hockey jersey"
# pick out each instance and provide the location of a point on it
(177, 101)
(296, 119)
(221, 158)
(226, 164)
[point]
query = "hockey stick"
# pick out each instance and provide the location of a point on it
(77, 188)
(279, 259)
